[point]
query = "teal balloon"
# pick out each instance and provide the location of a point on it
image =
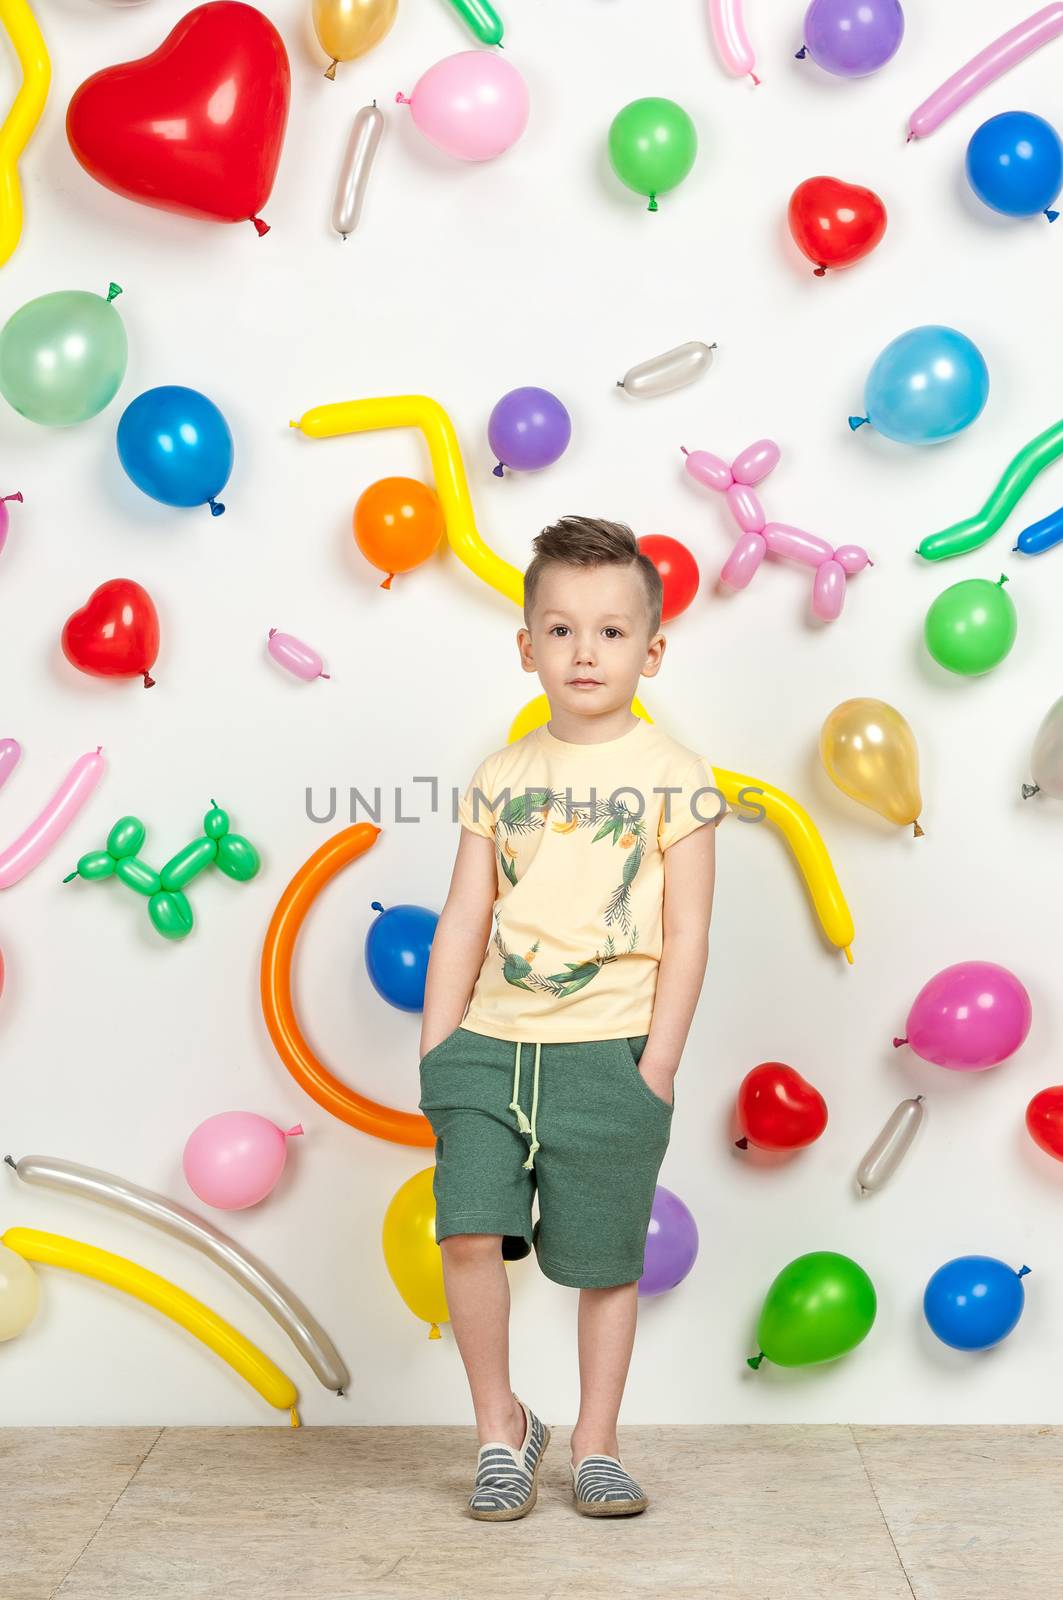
(652, 146)
(63, 357)
(971, 627)
(820, 1306)
(927, 385)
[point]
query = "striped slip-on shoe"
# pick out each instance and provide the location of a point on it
(507, 1480)
(603, 1488)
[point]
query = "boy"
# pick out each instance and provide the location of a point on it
(583, 859)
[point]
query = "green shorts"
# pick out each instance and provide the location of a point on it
(590, 1143)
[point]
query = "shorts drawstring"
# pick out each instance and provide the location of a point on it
(514, 1105)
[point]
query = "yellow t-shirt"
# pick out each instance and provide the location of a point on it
(580, 832)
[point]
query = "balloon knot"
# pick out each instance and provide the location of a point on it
(1022, 1272)
(11, 1163)
(1003, 579)
(12, 497)
(330, 71)
(375, 905)
(272, 631)
(898, 1042)
(653, 203)
(756, 80)
(387, 581)
(149, 681)
(1051, 215)
(260, 226)
(800, 55)
(294, 1416)
(113, 291)
(858, 422)
(216, 507)
(498, 471)
(909, 139)
(918, 832)
(324, 674)
(820, 272)
(401, 99)
(754, 1361)
(70, 876)
(684, 449)
(742, 1144)
(434, 1332)
(294, 1132)
(1030, 789)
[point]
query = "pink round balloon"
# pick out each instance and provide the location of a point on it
(969, 1017)
(473, 105)
(5, 517)
(233, 1160)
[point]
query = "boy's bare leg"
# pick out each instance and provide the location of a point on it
(607, 1319)
(477, 1285)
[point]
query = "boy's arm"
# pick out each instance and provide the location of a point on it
(689, 881)
(460, 939)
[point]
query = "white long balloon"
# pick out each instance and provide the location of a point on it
(357, 165)
(309, 1338)
(891, 1146)
(661, 374)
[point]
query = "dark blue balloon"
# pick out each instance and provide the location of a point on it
(397, 947)
(1041, 536)
(1015, 164)
(974, 1301)
(176, 446)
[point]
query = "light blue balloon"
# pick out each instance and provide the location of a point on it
(176, 446)
(927, 385)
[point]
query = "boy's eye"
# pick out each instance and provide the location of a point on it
(613, 633)
(559, 628)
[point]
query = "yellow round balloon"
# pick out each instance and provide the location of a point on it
(346, 29)
(411, 1252)
(870, 752)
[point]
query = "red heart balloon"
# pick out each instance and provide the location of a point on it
(1044, 1120)
(835, 223)
(778, 1109)
(195, 127)
(116, 632)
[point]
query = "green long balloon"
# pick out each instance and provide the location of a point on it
(480, 18)
(973, 532)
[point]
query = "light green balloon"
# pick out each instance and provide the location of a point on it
(971, 626)
(652, 146)
(63, 357)
(819, 1307)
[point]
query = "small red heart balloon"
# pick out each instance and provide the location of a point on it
(195, 127)
(1044, 1120)
(778, 1109)
(677, 568)
(116, 632)
(835, 223)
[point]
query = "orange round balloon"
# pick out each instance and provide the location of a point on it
(384, 1122)
(398, 522)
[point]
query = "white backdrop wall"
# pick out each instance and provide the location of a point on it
(462, 282)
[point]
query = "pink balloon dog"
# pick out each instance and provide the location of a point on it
(985, 68)
(759, 537)
(731, 39)
(969, 1017)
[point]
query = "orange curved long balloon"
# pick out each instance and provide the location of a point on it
(308, 1070)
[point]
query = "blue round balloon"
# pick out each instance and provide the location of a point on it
(928, 384)
(974, 1301)
(176, 446)
(397, 948)
(1015, 164)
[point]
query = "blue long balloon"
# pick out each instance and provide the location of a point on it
(1040, 536)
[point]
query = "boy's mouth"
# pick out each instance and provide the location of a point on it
(585, 683)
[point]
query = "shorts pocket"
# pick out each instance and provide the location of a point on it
(436, 1048)
(631, 1059)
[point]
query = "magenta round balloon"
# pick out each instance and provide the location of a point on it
(969, 1017)
(671, 1243)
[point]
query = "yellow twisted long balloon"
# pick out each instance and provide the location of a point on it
(418, 411)
(21, 26)
(246, 1358)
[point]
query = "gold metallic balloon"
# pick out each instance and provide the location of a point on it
(869, 751)
(348, 28)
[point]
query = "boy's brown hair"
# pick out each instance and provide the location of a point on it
(592, 542)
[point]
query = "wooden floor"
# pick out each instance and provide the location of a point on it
(736, 1513)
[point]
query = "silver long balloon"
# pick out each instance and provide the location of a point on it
(891, 1146)
(309, 1338)
(357, 165)
(661, 374)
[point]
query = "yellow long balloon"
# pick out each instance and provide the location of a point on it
(418, 411)
(53, 1250)
(21, 27)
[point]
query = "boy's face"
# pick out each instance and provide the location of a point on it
(589, 639)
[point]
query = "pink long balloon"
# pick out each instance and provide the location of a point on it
(10, 754)
(299, 658)
(31, 846)
(984, 68)
(794, 544)
(731, 39)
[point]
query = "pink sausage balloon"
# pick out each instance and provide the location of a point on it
(745, 508)
(709, 469)
(985, 68)
(852, 559)
(743, 561)
(828, 591)
(969, 1017)
(233, 1160)
(730, 37)
(756, 461)
(299, 658)
(794, 544)
(10, 755)
(5, 516)
(31, 846)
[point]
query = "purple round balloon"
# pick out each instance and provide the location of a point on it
(671, 1243)
(528, 429)
(853, 37)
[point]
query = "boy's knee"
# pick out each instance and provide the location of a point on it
(471, 1246)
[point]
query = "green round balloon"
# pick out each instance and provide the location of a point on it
(652, 146)
(819, 1307)
(971, 627)
(63, 356)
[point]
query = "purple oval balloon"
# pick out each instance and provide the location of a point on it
(528, 429)
(671, 1243)
(853, 37)
(969, 1017)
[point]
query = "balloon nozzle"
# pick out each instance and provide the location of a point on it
(858, 422)
(754, 1361)
(330, 71)
(799, 55)
(742, 1144)
(260, 226)
(216, 507)
(498, 471)
(898, 1042)
(149, 681)
(917, 831)
(820, 271)
(11, 1163)
(1030, 789)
